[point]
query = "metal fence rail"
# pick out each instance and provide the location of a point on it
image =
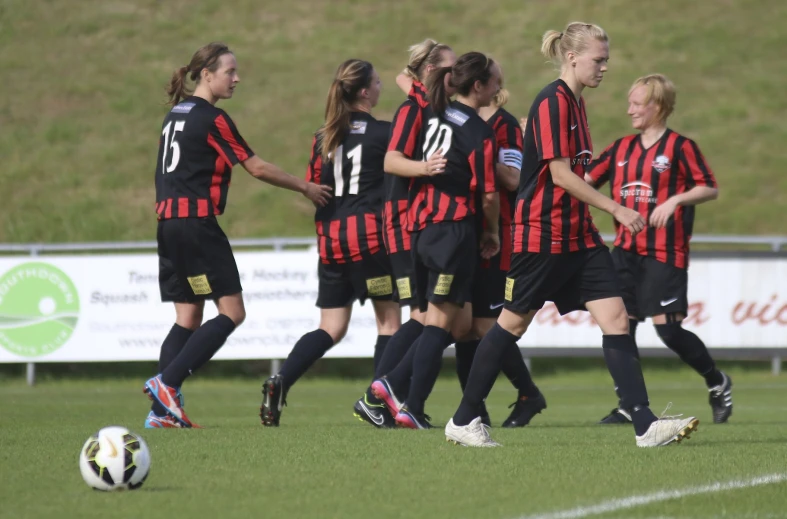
(774, 243)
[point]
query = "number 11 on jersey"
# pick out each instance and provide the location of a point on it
(338, 170)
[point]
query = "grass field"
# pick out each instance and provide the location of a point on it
(323, 463)
(82, 115)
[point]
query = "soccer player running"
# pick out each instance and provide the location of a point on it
(558, 253)
(199, 145)
(347, 155)
(662, 175)
(489, 278)
(442, 219)
(403, 162)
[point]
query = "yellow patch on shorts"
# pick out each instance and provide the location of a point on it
(199, 284)
(443, 286)
(381, 286)
(403, 286)
(509, 289)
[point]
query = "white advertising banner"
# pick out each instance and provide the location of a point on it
(107, 308)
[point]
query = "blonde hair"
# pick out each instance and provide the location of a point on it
(428, 52)
(660, 90)
(351, 77)
(501, 97)
(574, 38)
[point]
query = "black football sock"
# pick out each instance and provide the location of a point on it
(465, 351)
(397, 347)
(173, 344)
(691, 350)
(426, 367)
(379, 349)
(633, 323)
(513, 366)
(199, 349)
(622, 363)
(309, 349)
(399, 377)
(486, 366)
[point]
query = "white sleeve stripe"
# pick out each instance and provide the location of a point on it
(510, 157)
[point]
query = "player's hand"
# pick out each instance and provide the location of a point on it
(630, 219)
(523, 124)
(318, 194)
(489, 245)
(663, 213)
(436, 164)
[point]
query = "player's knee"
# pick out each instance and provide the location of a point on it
(237, 315)
(462, 327)
(336, 330)
(669, 333)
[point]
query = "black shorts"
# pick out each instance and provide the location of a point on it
(404, 279)
(340, 284)
(489, 287)
(649, 286)
(569, 280)
(195, 261)
(444, 258)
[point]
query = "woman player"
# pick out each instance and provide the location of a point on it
(403, 161)
(347, 155)
(442, 219)
(489, 279)
(663, 175)
(558, 253)
(199, 145)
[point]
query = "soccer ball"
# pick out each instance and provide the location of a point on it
(114, 459)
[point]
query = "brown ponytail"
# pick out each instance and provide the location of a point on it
(469, 68)
(205, 57)
(351, 77)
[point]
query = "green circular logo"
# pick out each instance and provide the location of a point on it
(39, 306)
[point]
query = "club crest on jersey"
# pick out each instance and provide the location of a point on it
(661, 164)
(584, 158)
(358, 127)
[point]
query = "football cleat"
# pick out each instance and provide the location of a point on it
(525, 408)
(410, 420)
(720, 399)
(616, 416)
(273, 400)
(668, 430)
(154, 421)
(474, 434)
(375, 414)
(382, 390)
(168, 397)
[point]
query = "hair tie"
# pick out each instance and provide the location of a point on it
(560, 36)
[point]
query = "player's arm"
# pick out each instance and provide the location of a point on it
(598, 172)
(272, 174)
(564, 177)
(508, 176)
(483, 164)
(404, 82)
(698, 175)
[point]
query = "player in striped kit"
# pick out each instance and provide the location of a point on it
(662, 175)
(347, 154)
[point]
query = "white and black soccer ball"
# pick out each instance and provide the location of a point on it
(114, 459)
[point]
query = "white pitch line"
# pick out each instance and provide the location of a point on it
(613, 505)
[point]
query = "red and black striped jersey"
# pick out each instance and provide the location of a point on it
(508, 135)
(642, 179)
(469, 147)
(350, 225)
(547, 218)
(406, 139)
(199, 145)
